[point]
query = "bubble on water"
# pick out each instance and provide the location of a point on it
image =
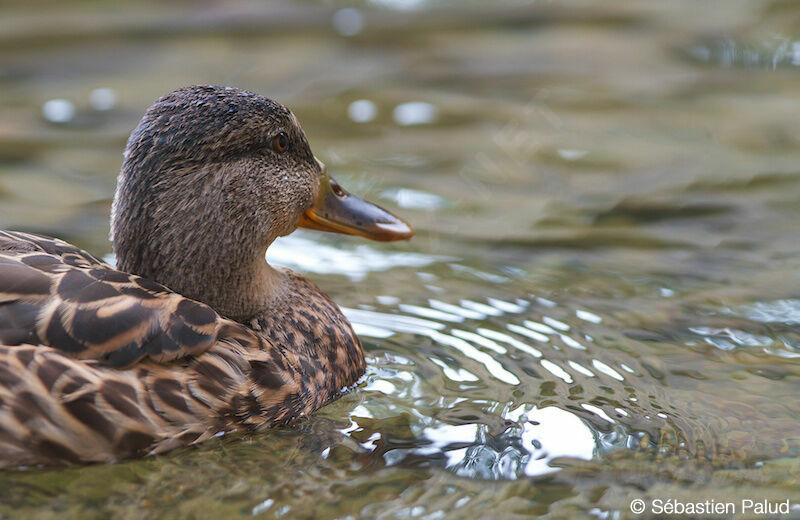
(58, 110)
(362, 111)
(348, 21)
(103, 99)
(415, 113)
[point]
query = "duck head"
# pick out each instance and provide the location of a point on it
(210, 177)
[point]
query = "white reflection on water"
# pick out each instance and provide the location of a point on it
(103, 99)
(549, 433)
(607, 370)
(569, 154)
(588, 316)
(478, 339)
(427, 312)
(542, 434)
(381, 385)
(597, 411)
(413, 199)
(400, 4)
(481, 308)
(460, 375)
(492, 365)
(300, 252)
(58, 110)
(455, 309)
(539, 327)
(570, 342)
(482, 275)
(362, 111)
(392, 322)
(383, 325)
(729, 339)
(415, 113)
(580, 368)
(514, 308)
(443, 435)
(555, 324)
(499, 336)
(348, 21)
(778, 311)
(529, 333)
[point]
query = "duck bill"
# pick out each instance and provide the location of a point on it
(337, 211)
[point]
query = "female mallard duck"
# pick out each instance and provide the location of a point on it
(194, 333)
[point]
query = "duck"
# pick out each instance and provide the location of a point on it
(192, 333)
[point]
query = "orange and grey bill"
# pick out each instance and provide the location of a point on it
(338, 211)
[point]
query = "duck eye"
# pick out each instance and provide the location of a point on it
(280, 142)
(338, 190)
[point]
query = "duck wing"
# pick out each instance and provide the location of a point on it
(55, 294)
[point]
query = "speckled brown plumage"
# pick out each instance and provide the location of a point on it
(195, 333)
(69, 324)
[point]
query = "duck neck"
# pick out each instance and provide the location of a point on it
(233, 279)
(237, 290)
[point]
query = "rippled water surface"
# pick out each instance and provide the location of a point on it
(602, 302)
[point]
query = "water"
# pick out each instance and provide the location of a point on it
(601, 303)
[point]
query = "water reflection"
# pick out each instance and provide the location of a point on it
(414, 199)
(348, 21)
(362, 111)
(778, 51)
(414, 113)
(58, 111)
(103, 99)
(300, 252)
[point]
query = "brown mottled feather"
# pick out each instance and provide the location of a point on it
(68, 327)
(57, 295)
